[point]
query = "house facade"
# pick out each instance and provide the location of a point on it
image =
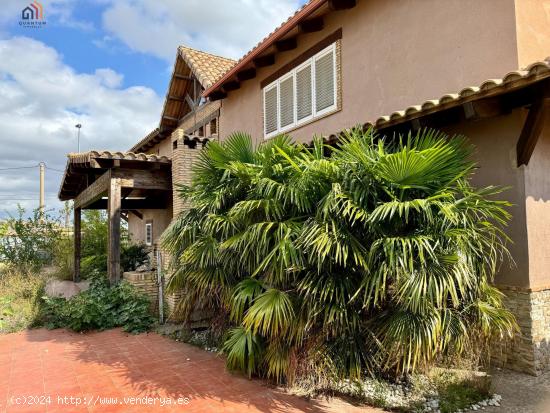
(467, 67)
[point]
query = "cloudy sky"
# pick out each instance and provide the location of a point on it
(104, 64)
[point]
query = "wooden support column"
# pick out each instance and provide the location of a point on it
(113, 216)
(77, 244)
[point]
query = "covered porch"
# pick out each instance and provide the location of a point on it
(120, 182)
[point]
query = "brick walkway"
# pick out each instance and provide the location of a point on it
(107, 369)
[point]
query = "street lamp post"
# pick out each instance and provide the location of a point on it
(78, 126)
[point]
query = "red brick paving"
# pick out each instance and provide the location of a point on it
(112, 365)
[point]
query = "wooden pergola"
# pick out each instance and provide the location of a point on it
(121, 183)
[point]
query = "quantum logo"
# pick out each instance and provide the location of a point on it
(33, 15)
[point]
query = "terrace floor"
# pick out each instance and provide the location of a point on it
(111, 371)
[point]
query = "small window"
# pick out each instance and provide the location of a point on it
(175, 145)
(306, 92)
(149, 233)
(213, 127)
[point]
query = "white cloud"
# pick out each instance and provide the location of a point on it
(228, 28)
(41, 99)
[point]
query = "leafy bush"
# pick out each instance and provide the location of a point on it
(27, 243)
(372, 256)
(133, 255)
(99, 308)
(95, 235)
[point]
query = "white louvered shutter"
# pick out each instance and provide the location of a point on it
(286, 102)
(324, 81)
(304, 108)
(270, 110)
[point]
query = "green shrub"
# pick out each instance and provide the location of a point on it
(375, 255)
(133, 255)
(100, 307)
(28, 242)
(95, 235)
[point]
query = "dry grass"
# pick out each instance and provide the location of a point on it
(20, 293)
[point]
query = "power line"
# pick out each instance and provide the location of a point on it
(19, 167)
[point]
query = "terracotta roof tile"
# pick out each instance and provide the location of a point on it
(208, 68)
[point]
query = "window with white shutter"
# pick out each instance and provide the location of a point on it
(286, 102)
(304, 87)
(270, 110)
(325, 82)
(306, 92)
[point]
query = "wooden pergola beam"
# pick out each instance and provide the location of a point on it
(532, 128)
(143, 179)
(132, 204)
(93, 192)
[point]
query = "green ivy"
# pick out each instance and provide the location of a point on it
(101, 307)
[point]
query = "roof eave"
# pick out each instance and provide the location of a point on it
(265, 44)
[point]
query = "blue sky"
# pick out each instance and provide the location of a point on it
(104, 64)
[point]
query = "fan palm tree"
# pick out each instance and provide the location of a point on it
(375, 255)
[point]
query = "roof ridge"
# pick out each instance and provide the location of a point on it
(181, 46)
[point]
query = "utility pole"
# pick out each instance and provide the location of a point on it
(78, 126)
(41, 202)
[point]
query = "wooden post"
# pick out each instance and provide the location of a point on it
(77, 243)
(113, 216)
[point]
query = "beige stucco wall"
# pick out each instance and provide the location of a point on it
(495, 154)
(537, 205)
(161, 219)
(533, 30)
(395, 54)
(163, 148)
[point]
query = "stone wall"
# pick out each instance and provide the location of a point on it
(529, 352)
(145, 282)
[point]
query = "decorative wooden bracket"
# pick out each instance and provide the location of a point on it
(532, 128)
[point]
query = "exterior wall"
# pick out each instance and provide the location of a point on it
(161, 219)
(533, 30)
(497, 166)
(526, 284)
(537, 205)
(392, 59)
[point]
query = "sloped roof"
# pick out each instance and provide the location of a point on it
(88, 157)
(82, 166)
(189, 63)
(150, 137)
(513, 80)
(207, 67)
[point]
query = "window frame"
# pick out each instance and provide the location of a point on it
(149, 224)
(292, 73)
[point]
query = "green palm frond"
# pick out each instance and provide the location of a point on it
(271, 314)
